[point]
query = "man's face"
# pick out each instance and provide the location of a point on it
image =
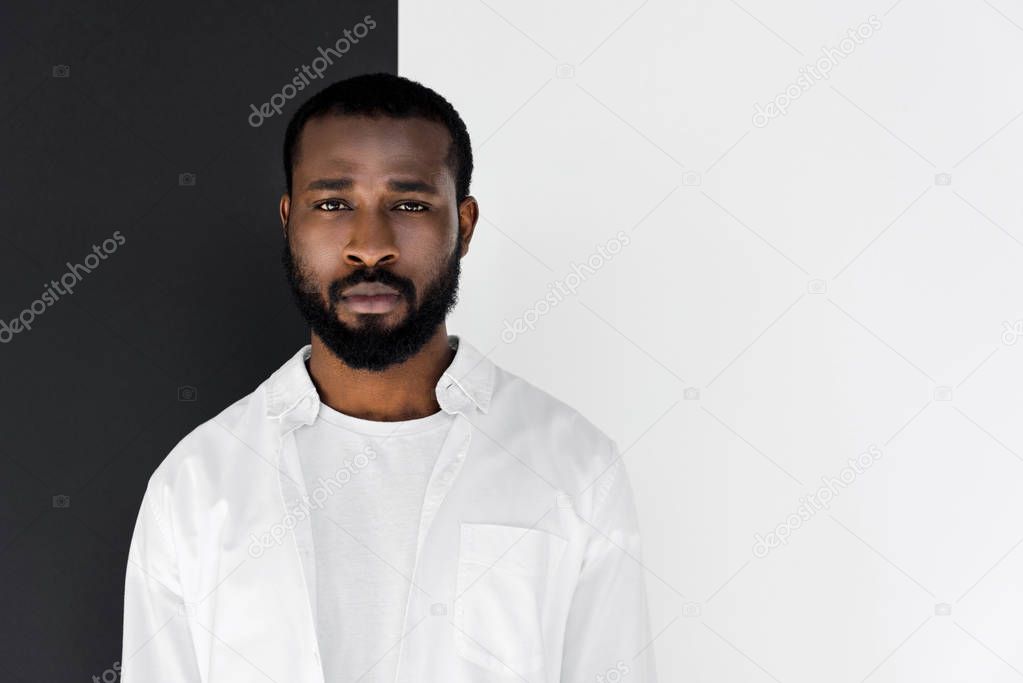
(373, 208)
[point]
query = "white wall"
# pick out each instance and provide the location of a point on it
(812, 276)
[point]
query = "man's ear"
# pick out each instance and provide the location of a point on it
(468, 215)
(285, 209)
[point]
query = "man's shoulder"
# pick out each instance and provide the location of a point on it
(238, 426)
(550, 418)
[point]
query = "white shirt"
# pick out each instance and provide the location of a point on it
(369, 480)
(527, 567)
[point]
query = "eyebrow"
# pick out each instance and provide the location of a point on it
(338, 184)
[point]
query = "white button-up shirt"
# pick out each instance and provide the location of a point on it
(528, 560)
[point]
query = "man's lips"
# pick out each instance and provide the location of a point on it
(371, 303)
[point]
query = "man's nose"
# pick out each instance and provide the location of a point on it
(371, 241)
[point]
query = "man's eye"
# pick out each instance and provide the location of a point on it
(330, 205)
(416, 206)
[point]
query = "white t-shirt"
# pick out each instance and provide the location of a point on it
(372, 479)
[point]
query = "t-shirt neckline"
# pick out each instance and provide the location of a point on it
(377, 428)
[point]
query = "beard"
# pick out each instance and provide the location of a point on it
(371, 345)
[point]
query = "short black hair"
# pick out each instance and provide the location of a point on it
(384, 94)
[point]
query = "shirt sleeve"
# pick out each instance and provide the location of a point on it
(608, 632)
(157, 644)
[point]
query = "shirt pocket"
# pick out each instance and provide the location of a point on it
(504, 573)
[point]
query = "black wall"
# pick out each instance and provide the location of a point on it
(126, 128)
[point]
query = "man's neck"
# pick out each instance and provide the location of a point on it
(402, 392)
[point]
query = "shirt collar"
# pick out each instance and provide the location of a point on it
(467, 384)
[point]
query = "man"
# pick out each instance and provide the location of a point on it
(389, 505)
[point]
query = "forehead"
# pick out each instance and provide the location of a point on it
(357, 144)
